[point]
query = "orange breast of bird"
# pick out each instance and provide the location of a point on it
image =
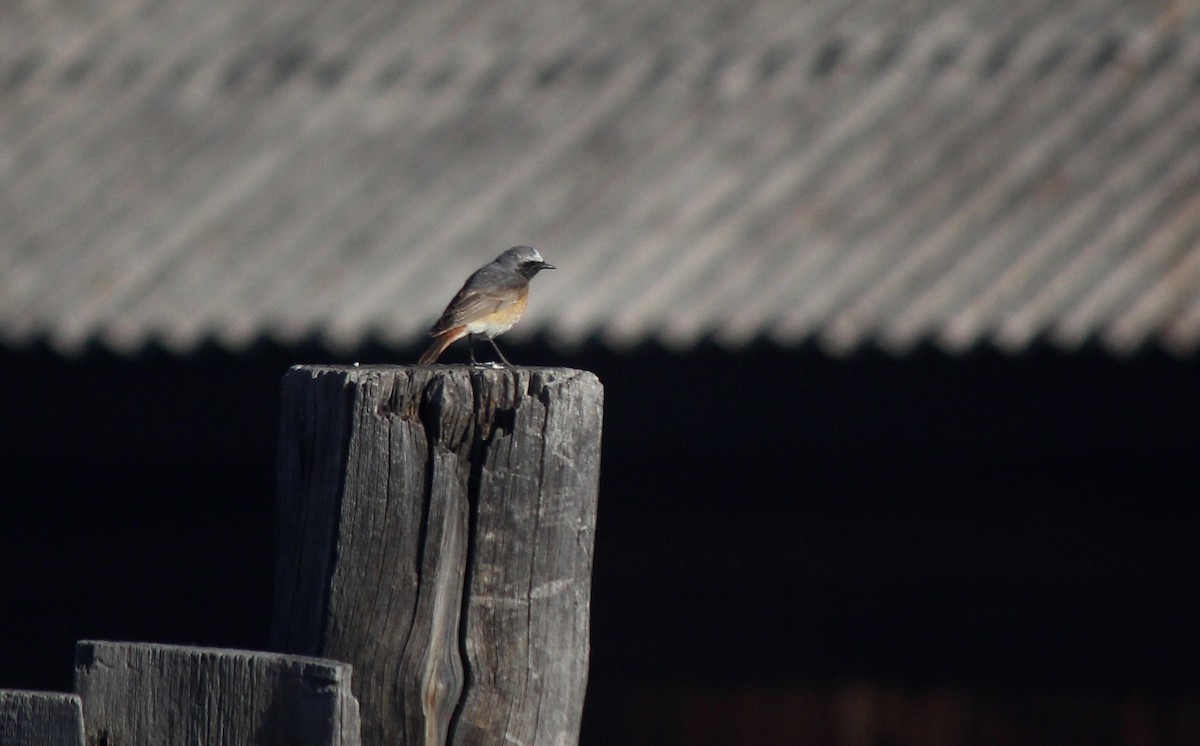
(500, 320)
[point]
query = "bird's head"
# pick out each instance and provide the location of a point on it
(524, 259)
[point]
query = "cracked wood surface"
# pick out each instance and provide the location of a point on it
(436, 531)
(42, 718)
(145, 693)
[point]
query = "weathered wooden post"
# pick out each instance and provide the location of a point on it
(436, 531)
(41, 718)
(136, 693)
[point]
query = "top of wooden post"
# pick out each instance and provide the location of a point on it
(503, 386)
(319, 368)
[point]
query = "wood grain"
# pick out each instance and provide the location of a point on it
(40, 719)
(436, 531)
(142, 693)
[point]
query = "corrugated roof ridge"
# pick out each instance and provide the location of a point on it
(73, 154)
(943, 132)
(1034, 154)
(1181, 334)
(1171, 239)
(255, 297)
(920, 211)
(777, 175)
(1164, 165)
(183, 218)
(1030, 262)
(674, 303)
(298, 100)
(1163, 308)
(851, 179)
(1127, 284)
(845, 131)
(673, 266)
(974, 197)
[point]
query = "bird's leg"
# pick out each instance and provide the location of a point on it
(498, 352)
(471, 348)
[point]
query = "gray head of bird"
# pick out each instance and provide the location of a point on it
(524, 259)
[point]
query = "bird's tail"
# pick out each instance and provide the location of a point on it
(440, 344)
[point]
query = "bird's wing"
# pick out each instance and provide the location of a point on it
(471, 304)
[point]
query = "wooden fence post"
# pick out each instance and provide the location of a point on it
(142, 693)
(436, 531)
(41, 718)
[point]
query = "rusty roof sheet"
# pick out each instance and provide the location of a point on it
(878, 172)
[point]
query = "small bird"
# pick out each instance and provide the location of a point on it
(491, 301)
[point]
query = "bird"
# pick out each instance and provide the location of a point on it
(490, 302)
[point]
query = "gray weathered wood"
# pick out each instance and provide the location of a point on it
(436, 530)
(141, 693)
(40, 719)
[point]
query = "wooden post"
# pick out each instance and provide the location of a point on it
(41, 718)
(169, 694)
(436, 531)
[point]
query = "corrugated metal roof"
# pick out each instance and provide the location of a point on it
(882, 172)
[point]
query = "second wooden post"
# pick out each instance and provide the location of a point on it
(436, 531)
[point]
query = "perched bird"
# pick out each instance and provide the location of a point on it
(490, 302)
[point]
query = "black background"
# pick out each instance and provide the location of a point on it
(766, 515)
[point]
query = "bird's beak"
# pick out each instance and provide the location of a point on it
(546, 265)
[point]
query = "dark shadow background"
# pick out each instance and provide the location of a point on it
(767, 517)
